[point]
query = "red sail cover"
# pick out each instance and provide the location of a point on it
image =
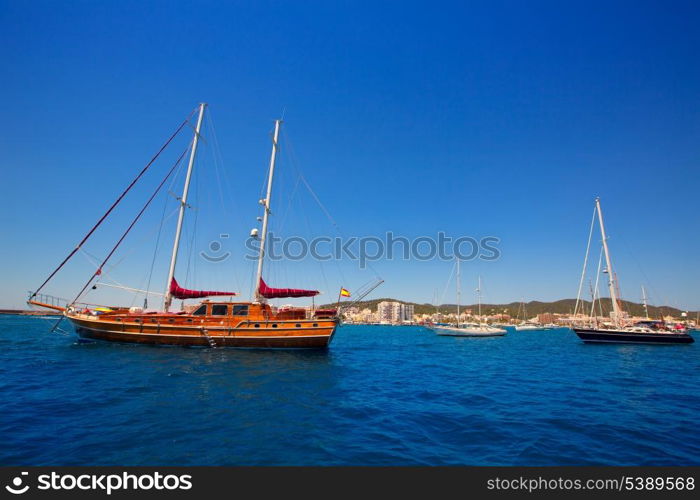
(278, 293)
(183, 293)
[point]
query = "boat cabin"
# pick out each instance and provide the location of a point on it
(257, 310)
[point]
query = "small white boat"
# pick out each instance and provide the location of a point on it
(528, 326)
(524, 323)
(469, 331)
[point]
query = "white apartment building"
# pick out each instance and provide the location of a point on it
(394, 312)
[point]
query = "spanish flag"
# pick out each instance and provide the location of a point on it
(344, 292)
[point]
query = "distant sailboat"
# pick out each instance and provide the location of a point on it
(525, 324)
(468, 329)
(620, 332)
(528, 326)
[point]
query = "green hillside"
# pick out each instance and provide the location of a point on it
(532, 308)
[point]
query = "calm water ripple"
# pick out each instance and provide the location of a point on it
(379, 396)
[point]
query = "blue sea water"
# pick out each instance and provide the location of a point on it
(379, 396)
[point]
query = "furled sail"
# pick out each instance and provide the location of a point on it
(278, 293)
(183, 293)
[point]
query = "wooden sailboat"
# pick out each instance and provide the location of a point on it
(213, 323)
(621, 331)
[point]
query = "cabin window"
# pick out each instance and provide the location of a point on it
(219, 310)
(201, 311)
(257, 325)
(240, 310)
(315, 324)
(274, 325)
(298, 325)
(171, 321)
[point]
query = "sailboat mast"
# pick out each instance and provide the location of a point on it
(644, 301)
(459, 290)
(478, 297)
(266, 204)
(183, 204)
(608, 263)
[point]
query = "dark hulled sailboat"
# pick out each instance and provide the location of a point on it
(621, 333)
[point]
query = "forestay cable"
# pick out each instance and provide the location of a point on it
(118, 200)
(133, 223)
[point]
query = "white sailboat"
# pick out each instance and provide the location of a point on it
(525, 324)
(469, 329)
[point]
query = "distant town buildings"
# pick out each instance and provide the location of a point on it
(398, 313)
(388, 312)
(394, 312)
(546, 318)
(407, 312)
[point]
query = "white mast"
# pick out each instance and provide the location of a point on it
(183, 204)
(644, 301)
(459, 290)
(585, 263)
(478, 297)
(608, 263)
(266, 204)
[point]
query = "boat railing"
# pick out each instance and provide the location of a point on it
(48, 300)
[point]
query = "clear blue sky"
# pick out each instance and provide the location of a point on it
(476, 118)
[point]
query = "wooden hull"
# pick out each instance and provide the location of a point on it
(623, 337)
(310, 334)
